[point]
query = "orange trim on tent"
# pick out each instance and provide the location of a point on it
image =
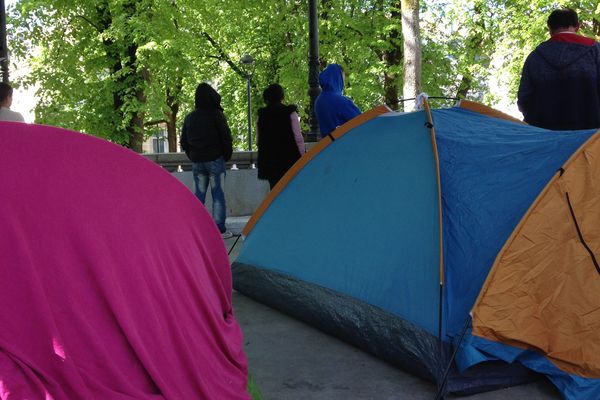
(542, 290)
(439, 185)
(485, 110)
(305, 159)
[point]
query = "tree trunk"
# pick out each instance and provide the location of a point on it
(173, 105)
(123, 57)
(474, 42)
(135, 127)
(464, 87)
(412, 48)
(392, 55)
(473, 47)
(393, 59)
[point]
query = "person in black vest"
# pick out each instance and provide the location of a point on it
(280, 143)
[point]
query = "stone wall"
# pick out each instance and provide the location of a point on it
(243, 191)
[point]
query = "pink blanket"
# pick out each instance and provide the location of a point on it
(114, 281)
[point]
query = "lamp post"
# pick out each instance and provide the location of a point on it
(3, 46)
(313, 68)
(248, 67)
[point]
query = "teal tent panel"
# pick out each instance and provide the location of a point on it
(362, 218)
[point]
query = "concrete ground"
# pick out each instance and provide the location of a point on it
(293, 361)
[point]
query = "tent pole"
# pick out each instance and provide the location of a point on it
(234, 243)
(441, 394)
(430, 126)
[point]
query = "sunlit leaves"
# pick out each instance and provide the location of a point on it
(80, 53)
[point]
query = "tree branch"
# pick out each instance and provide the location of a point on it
(222, 55)
(96, 27)
(354, 30)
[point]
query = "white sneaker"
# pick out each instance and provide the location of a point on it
(226, 235)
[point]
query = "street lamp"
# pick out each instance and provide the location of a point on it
(313, 68)
(248, 68)
(3, 46)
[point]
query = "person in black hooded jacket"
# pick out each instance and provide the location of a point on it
(560, 82)
(206, 139)
(280, 143)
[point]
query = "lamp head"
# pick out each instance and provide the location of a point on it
(247, 60)
(248, 65)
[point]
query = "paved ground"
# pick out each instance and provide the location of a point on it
(290, 360)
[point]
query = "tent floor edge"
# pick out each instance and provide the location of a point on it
(367, 327)
(388, 337)
(489, 376)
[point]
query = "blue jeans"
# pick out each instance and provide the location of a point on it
(212, 172)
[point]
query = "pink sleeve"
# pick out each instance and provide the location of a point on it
(297, 134)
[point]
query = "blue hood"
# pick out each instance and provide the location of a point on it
(331, 79)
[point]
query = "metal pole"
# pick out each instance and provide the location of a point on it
(313, 67)
(248, 77)
(3, 46)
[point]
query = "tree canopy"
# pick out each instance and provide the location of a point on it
(118, 68)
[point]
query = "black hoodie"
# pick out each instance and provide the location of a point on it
(205, 135)
(560, 84)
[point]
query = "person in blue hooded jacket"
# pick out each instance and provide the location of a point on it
(332, 108)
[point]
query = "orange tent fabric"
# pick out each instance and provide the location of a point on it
(543, 292)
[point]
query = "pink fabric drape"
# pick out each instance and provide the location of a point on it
(114, 281)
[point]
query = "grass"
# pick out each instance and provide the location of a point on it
(253, 389)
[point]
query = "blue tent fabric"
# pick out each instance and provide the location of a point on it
(328, 233)
(491, 171)
(321, 251)
(345, 183)
(571, 386)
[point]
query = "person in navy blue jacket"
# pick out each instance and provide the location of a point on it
(560, 82)
(332, 108)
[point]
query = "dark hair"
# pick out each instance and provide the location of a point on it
(562, 18)
(273, 94)
(5, 91)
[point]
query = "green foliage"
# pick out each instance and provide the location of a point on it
(253, 389)
(104, 66)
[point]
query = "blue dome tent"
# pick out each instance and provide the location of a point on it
(385, 232)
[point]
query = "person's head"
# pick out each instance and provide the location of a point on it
(207, 97)
(6, 93)
(332, 78)
(273, 94)
(563, 20)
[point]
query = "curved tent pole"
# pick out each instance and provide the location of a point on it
(439, 186)
(430, 125)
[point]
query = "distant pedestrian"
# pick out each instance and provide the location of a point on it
(560, 82)
(332, 108)
(6, 98)
(280, 142)
(206, 139)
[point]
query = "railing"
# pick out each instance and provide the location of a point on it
(179, 161)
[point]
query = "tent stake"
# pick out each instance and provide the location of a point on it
(441, 394)
(234, 243)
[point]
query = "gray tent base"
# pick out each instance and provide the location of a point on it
(372, 329)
